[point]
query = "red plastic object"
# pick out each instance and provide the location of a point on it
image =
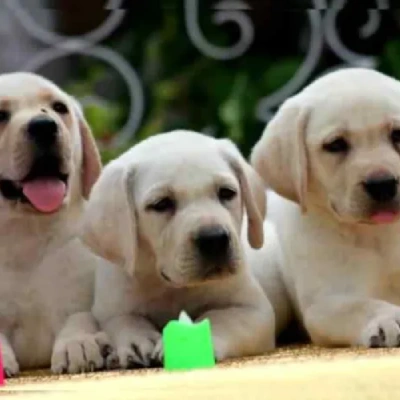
(2, 381)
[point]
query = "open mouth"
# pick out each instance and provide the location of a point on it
(378, 216)
(44, 187)
(385, 216)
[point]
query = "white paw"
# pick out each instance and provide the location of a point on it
(158, 354)
(80, 354)
(382, 331)
(138, 353)
(220, 348)
(112, 360)
(10, 365)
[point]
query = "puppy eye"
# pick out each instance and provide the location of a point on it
(339, 145)
(395, 136)
(226, 194)
(4, 116)
(166, 204)
(60, 107)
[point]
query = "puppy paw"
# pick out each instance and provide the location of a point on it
(139, 353)
(382, 332)
(221, 350)
(157, 356)
(80, 354)
(112, 361)
(10, 365)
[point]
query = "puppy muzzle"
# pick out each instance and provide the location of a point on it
(213, 245)
(44, 187)
(382, 189)
(43, 132)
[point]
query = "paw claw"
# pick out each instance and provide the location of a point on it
(92, 366)
(375, 342)
(106, 350)
(156, 363)
(8, 373)
(382, 331)
(141, 352)
(132, 364)
(112, 361)
(10, 366)
(77, 355)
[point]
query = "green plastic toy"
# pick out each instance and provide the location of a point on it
(188, 345)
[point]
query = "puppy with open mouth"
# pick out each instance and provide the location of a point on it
(168, 213)
(41, 158)
(331, 159)
(48, 164)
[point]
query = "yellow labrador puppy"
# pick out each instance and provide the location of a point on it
(48, 164)
(331, 156)
(169, 211)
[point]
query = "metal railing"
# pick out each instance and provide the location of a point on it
(322, 27)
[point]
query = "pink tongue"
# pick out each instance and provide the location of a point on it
(384, 217)
(46, 195)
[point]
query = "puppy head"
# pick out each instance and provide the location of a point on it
(336, 145)
(175, 203)
(48, 157)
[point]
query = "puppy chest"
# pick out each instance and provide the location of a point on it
(32, 338)
(32, 311)
(388, 278)
(16, 297)
(166, 307)
(32, 332)
(390, 290)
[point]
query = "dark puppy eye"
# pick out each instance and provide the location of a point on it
(395, 136)
(4, 116)
(339, 145)
(60, 107)
(166, 204)
(226, 194)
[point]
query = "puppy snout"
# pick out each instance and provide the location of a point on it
(43, 131)
(382, 188)
(213, 243)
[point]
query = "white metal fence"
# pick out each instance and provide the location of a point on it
(41, 45)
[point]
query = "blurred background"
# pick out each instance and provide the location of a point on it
(220, 67)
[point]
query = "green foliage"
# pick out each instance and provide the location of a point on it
(390, 59)
(102, 115)
(279, 73)
(183, 88)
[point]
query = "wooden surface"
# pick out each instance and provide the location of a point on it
(290, 373)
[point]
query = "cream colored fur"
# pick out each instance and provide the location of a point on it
(341, 269)
(46, 274)
(159, 272)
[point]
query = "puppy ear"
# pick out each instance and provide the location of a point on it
(91, 162)
(109, 228)
(252, 190)
(280, 156)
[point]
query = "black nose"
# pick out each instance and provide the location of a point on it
(382, 188)
(212, 242)
(43, 131)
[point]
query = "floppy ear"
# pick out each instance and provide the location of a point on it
(109, 228)
(91, 162)
(280, 156)
(252, 190)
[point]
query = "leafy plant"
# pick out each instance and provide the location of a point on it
(185, 89)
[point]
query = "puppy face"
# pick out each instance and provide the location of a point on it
(341, 140)
(185, 195)
(44, 140)
(354, 156)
